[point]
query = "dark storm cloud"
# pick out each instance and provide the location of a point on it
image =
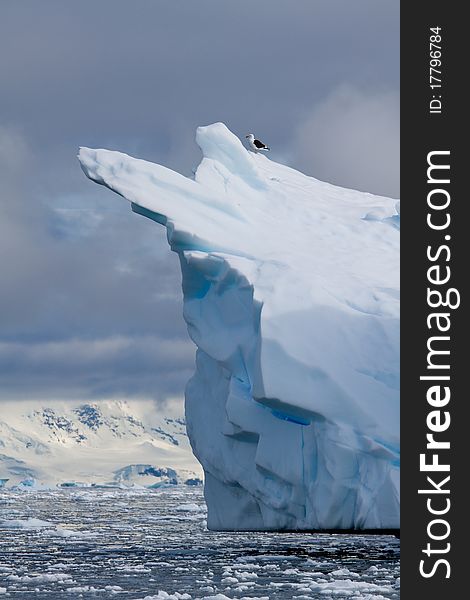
(139, 76)
(354, 134)
(142, 75)
(90, 303)
(143, 366)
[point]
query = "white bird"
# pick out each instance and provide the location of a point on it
(255, 144)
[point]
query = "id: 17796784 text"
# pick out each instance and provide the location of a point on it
(435, 69)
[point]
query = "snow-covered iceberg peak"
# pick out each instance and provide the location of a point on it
(291, 296)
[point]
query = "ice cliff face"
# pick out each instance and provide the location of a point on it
(291, 296)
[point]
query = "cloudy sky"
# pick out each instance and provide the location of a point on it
(90, 301)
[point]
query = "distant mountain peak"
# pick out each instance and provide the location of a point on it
(94, 442)
(90, 415)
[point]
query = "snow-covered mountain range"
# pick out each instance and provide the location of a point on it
(106, 442)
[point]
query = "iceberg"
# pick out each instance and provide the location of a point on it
(291, 295)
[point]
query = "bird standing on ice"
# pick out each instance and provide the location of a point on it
(255, 144)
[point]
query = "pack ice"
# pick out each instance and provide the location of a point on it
(291, 295)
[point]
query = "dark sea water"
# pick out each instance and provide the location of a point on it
(153, 544)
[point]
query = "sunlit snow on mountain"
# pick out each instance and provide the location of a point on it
(112, 442)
